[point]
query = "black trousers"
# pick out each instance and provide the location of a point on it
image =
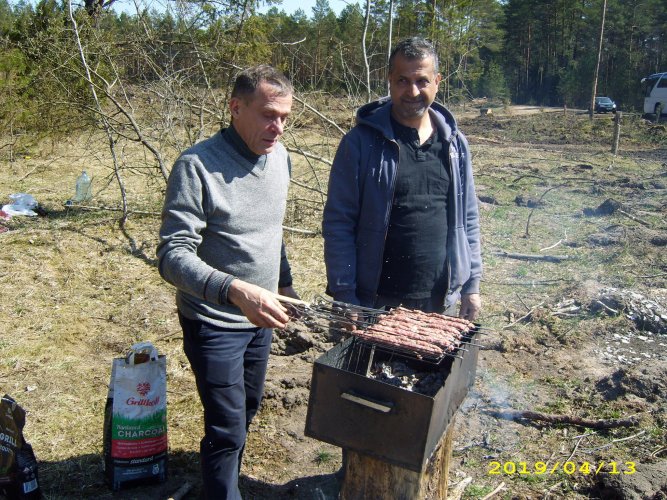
(428, 305)
(230, 369)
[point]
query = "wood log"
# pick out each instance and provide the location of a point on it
(520, 256)
(368, 478)
(180, 493)
(563, 419)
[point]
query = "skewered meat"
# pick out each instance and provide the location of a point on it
(425, 334)
(399, 342)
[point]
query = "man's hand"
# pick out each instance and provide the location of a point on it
(258, 305)
(471, 303)
(294, 311)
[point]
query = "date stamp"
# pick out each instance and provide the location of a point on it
(510, 468)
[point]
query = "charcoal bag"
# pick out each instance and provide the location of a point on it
(135, 419)
(18, 466)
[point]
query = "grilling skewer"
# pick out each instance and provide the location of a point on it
(428, 336)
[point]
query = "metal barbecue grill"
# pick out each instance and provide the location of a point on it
(348, 408)
(347, 319)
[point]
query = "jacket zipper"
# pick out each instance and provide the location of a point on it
(387, 219)
(450, 167)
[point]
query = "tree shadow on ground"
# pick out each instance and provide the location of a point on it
(321, 487)
(83, 477)
(141, 250)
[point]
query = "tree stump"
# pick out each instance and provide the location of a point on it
(368, 478)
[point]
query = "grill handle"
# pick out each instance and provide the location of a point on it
(290, 300)
(374, 405)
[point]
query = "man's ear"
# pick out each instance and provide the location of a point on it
(234, 105)
(438, 79)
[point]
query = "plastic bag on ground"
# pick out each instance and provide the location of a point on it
(22, 204)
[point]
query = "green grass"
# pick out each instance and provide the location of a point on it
(474, 491)
(323, 457)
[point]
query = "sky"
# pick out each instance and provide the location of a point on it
(290, 6)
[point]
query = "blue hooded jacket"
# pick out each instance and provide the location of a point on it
(361, 190)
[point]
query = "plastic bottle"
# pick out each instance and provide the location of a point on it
(84, 191)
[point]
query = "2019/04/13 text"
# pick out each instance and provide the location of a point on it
(569, 468)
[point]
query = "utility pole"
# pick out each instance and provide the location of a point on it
(591, 108)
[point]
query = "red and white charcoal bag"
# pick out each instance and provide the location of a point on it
(135, 444)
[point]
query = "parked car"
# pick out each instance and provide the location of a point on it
(655, 94)
(604, 105)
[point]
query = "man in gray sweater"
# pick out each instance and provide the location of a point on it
(221, 247)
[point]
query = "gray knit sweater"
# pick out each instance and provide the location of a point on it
(222, 219)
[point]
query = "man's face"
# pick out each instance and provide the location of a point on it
(413, 84)
(260, 118)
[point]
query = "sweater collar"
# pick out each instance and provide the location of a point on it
(236, 141)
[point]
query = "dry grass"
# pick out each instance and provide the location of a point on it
(78, 291)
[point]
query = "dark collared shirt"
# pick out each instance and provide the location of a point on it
(415, 253)
(232, 137)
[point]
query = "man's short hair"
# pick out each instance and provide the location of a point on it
(248, 80)
(414, 48)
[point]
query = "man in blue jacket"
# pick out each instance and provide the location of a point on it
(401, 224)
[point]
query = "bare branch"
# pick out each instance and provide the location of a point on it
(564, 419)
(309, 155)
(546, 258)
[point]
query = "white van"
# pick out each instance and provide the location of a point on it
(655, 93)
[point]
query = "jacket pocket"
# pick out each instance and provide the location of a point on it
(460, 259)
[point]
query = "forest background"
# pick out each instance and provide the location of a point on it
(156, 75)
(538, 52)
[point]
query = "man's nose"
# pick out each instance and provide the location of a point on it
(413, 89)
(278, 126)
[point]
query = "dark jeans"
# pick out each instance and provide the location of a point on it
(230, 368)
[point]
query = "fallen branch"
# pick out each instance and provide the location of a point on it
(581, 438)
(328, 120)
(161, 337)
(651, 275)
(499, 488)
(523, 317)
(181, 492)
(552, 488)
(530, 283)
(26, 175)
(309, 155)
(613, 311)
(300, 231)
(479, 138)
(520, 256)
(110, 209)
(306, 186)
(555, 244)
(636, 219)
(564, 419)
(457, 491)
(608, 445)
(552, 246)
(539, 202)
